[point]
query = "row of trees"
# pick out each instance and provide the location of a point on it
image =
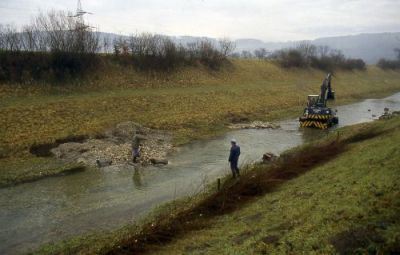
(306, 55)
(157, 52)
(54, 46)
(390, 64)
(51, 32)
(322, 57)
(58, 45)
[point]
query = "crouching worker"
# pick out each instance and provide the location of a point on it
(234, 158)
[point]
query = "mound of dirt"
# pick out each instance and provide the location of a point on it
(114, 147)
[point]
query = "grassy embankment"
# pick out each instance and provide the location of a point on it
(336, 195)
(192, 103)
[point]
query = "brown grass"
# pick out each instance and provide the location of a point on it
(191, 103)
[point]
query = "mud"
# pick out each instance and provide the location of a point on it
(44, 150)
(271, 239)
(359, 239)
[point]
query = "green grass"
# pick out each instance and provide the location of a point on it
(347, 203)
(357, 190)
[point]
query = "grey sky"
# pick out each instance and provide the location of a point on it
(269, 20)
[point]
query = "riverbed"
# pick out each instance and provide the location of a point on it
(58, 208)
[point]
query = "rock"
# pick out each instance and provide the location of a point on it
(386, 116)
(254, 125)
(156, 161)
(389, 115)
(82, 161)
(103, 162)
(269, 157)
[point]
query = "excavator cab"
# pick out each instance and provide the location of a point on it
(312, 100)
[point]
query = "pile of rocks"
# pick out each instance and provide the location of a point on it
(388, 115)
(114, 147)
(269, 158)
(254, 125)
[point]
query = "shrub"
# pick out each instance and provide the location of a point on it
(24, 66)
(291, 58)
(149, 52)
(306, 55)
(54, 46)
(388, 64)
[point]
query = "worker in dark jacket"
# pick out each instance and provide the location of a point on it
(136, 145)
(234, 158)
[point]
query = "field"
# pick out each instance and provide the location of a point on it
(336, 195)
(192, 103)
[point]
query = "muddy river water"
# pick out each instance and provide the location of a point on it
(57, 208)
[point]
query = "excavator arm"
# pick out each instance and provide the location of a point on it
(326, 91)
(331, 93)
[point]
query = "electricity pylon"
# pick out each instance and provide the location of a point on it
(80, 22)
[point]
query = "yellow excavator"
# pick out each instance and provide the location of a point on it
(317, 114)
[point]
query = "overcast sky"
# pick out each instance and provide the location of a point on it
(268, 20)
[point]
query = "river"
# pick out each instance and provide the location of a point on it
(58, 208)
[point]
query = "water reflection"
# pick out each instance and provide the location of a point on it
(137, 179)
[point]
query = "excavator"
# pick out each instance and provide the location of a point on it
(317, 114)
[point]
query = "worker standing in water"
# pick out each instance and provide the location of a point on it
(234, 158)
(136, 146)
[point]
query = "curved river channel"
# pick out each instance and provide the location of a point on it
(57, 208)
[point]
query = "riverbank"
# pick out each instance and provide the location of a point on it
(338, 194)
(190, 104)
(35, 169)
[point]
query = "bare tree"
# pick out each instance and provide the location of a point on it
(337, 56)
(62, 33)
(2, 38)
(307, 50)
(106, 44)
(323, 50)
(121, 46)
(246, 54)
(11, 40)
(397, 50)
(226, 46)
(261, 53)
(29, 38)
